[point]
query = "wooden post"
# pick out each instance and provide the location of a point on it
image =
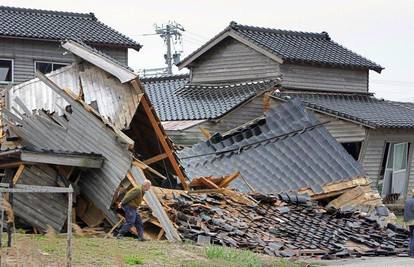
(162, 138)
(10, 224)
(69, 234)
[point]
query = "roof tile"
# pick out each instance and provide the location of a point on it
(54, 25)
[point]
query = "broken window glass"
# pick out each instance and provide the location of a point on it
(6, 70)
(46, 67)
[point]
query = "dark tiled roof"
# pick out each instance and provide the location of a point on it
(299, 47)
(175, 99)
(363, 109)
(54, 25)
(308, 159)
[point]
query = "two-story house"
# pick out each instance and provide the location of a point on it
(331, 80)
(30, 40)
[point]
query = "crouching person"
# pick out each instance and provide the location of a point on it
(130, 203)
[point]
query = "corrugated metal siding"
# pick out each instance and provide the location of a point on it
(373, 151)
(26, 52)
(115, 101)
(327, 79)
(231, 60)
(32, 207)
(242, 114)
(84, 133)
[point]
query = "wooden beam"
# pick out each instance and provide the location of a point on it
(162, 138)
(208, 183)
(143, 166)
(206, 191)
(62, 159)
(10, 164)
(155, 159)
(19, 173)
(229, 179)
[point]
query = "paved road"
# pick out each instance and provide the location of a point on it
(372, 262)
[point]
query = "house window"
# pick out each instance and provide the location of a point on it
(46, 67)
(353, 148)
(393, 175)
(6, 70)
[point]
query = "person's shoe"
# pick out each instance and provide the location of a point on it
(119, 236)
(141, 238)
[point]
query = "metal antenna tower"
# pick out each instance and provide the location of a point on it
(171, 33)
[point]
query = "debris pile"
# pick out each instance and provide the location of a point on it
(280, 225)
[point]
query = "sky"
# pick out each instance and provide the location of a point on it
(382, 31)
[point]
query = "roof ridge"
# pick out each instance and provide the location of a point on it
(166, 78)
(49, 12)
(324, 35)
(233, 84)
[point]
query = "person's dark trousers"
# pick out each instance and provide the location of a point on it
(411, 228)
(132, 218)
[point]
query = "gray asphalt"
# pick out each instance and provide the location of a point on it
(372, 262)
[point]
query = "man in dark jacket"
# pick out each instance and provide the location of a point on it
(409, 220)
(130, 203)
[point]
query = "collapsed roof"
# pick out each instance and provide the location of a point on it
(55, 25)
(289, 46)
(176, 99)
(92, 106)
(288, 149)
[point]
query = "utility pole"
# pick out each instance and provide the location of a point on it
(171, 33)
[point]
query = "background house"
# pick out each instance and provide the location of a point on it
(29, 40)
(331, 80)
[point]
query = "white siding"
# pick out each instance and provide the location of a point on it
(373, 151)
(324, 79)
(231, 60)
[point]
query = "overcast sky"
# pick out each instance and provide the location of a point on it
(382, 31)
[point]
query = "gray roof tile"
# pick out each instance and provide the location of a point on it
(299, 47)
(307, 159)
(364, 109)
(54, 25)
(175, 98)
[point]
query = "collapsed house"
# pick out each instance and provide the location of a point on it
(282, 225)
(286, 150)
(90, 125)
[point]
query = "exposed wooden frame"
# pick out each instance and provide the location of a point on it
(155, 159)
(163, 140)
(143, 166)
(62, 159)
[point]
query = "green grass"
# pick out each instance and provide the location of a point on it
(133, 260)
(95, 251)
(243, 257)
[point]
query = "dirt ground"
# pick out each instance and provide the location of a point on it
(50, 250)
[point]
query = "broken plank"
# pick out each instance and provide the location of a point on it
(156, 207)
(229, 179)
(143, 166)
(18, 174)
(208, 183)
(155, 159)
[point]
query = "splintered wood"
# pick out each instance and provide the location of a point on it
(281, 225)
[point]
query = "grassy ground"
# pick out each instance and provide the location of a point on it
(40, 250)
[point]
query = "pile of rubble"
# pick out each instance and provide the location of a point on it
(280, 225)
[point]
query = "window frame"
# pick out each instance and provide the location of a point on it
(50, 62)
(12, 70)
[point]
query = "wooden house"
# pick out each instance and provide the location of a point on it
(331, 80)
(29, 40)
